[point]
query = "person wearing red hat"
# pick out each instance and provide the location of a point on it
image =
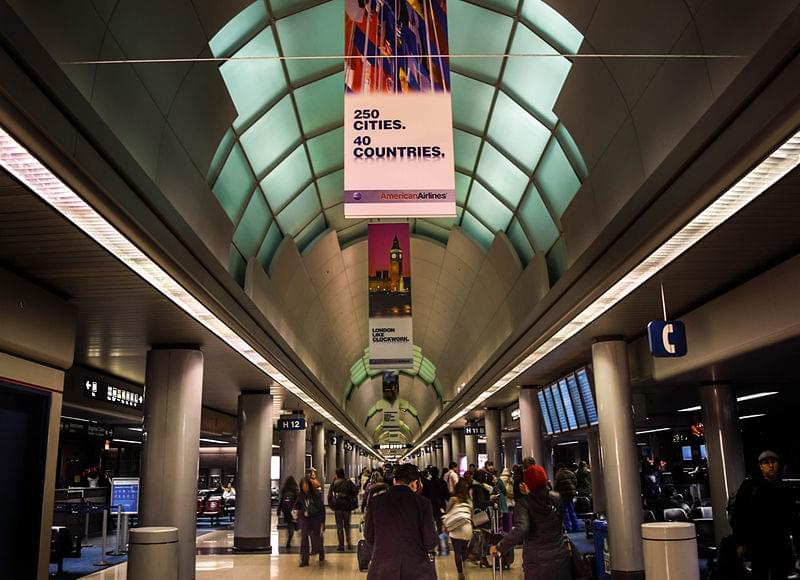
(538, 526)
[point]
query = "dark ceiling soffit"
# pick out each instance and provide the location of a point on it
(41, 92)
(752, 117)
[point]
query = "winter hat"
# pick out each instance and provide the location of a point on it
(535, 478)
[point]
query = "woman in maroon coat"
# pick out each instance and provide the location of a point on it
(400, 526)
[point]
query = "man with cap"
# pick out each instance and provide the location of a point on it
(763, 515)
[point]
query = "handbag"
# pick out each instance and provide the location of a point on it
(480, 518)
(581, 568)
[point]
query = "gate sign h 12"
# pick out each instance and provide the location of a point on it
(291, 424)
(398, 128)
(667, 338)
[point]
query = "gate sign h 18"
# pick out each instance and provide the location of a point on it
(475, 430)
(291, 424)
(667, 338)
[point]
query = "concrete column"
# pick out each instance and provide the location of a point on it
(440, 455)
(318, 450)
(530, 426)
(596, 465)
(253, 473)
(509, 452)
(339, 456)
(620, 473)
(491, 418)
(293, 453)
(171, 448)
(471, 449)
(459, 444)
(348, 460)
(726, 466)
(447, 450)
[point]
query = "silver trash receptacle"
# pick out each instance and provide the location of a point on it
(153, 553)
(670, 551)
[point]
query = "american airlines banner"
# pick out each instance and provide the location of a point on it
(390, 341)
(398, 123)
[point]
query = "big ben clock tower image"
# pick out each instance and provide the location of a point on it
(396, 282)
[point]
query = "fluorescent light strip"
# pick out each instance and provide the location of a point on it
(137, 429)
(214, 441)
(127, 441)
(568, 443)
(75, 419)
(755, 416)
(659, 430)
(738, 400)
(759, 179)
(26, 168)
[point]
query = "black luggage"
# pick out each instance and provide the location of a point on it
(364, 555)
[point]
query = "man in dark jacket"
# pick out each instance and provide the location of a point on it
(343, 499)
(567, 486)
(399, 524)
(763, 516)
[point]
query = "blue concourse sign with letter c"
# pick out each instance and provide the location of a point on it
(667, 338)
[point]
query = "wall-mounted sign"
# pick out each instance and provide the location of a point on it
(73, 427)
(515, 414)
(291, 423)
(667, 338)
(398, 127)
(438, 445)
(391, 419)
(125, 493)
(348, 446)
(333, 440)
(475, 430)
(389, 263)
(108, 393)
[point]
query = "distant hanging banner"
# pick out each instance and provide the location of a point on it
(390, 341)
(398, 133)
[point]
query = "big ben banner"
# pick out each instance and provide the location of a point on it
(398, 122)
(390, 341)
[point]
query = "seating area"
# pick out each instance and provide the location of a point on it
(214, 507)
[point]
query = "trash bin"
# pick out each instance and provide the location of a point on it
(153, 553)
(670, 551)
(602, 554)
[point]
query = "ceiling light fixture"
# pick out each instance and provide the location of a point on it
(568, 443)
(137, 429)
(758, 180)
(126, 441)
(75, 419)
(659, 430)
(690, 409)
(755, 416)
(26, 168)
(756, 396)
(217, 441)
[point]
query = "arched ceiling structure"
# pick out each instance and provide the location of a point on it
(278, 171)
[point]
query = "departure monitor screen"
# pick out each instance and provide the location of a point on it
(568, 404)
(548, 426)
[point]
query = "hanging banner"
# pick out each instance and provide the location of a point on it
(390, 342)
(398, 126)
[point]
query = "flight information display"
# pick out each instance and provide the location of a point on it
(125, 493)
(568, 404)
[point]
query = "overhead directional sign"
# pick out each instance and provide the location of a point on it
(475, 430)
(667, 338)
(291, 424)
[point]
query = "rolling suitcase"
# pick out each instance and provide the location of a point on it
(505, 560)
(363, 554)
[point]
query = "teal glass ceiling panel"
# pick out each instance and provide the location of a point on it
(535, 82)
(234, 184)
(537, 221)
(254, 83)
(331, 188)
(299, 212)
(466, 149)
(471, 102)
(289, 177)
(520, 242)
(310, 232)
(321, 104)
(473, 24)
(556, 29)
(505, 178)
(271, 137)
(462, 187)
(317, 31)
(517, 132)
(250, 231)
(556, 179)
(326, 151)
(240, 27)
(269, 246)
(477, 230)
(505, 6)
(335, 217)
(491, 211)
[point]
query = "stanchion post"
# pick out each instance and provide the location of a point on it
(117, 551)
(102, 561)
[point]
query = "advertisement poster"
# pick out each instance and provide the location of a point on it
(398, 124)
(390, 341)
